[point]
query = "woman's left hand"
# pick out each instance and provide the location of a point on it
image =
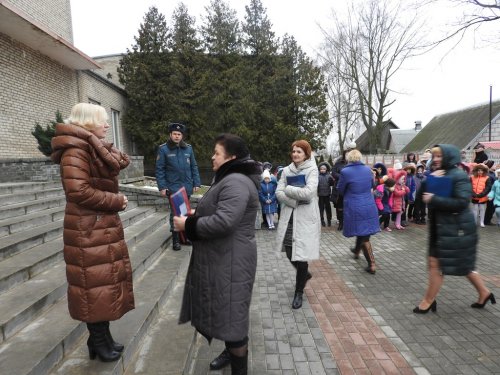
(179, 223)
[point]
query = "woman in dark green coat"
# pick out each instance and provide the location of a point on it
(452, 229)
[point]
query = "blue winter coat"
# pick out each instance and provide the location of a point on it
(176, 167)
(268, 191)
(360, 210)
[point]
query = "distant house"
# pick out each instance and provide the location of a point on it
(363, 141)
(463, 128)
(401, 137)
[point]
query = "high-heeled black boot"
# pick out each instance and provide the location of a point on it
(117, 347)
(98, 343)
(300, 283)
(239, 365)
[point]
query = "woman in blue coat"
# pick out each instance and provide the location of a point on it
(360, 210)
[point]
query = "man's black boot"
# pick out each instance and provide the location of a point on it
(176, 245)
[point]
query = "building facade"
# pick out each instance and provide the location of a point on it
(41, 72)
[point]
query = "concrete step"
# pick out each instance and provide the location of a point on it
(30, 195)
(23, 266)
(157, 304)
(167, 346)
(19, 223)
(16, 187)
(24, 208)
(43, 290)
(50, 338)
(15, 243)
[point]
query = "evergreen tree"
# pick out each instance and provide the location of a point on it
(142, 71)
(221, 30)
(259, 37)
(44, 136)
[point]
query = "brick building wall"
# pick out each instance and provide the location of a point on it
(495, 132)
(94, 88)
(54, 14)
(32, 88)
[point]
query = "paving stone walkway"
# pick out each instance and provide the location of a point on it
(357, 323)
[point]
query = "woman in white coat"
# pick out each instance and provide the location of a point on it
(299, 235)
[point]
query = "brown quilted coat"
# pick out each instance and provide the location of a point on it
(97, 262)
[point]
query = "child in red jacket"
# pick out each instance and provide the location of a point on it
(398, 195)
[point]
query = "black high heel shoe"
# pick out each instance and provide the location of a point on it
(478, 305)
(433, 307)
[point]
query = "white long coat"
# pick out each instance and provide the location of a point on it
(306, 219)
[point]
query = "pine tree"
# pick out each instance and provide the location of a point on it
(44, 136)
(142, 71)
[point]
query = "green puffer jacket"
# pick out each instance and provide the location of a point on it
(452, 229)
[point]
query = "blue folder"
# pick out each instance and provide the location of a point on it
(441, 186)
(298, 180)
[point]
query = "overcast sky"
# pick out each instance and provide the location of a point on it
(441, 81)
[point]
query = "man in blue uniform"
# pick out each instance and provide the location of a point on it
(176, 167)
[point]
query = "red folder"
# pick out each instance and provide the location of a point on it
(179, 203)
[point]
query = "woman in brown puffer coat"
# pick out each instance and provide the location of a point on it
(97, 261)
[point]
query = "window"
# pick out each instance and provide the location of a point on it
(115, 123)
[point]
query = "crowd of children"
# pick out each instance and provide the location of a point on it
(395, 192)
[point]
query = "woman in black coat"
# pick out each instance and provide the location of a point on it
(452, 229)
(221, 272)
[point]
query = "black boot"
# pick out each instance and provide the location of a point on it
(300, 283)
(221, 361)
(117, 347)
(297, 300)
(239, 365)
(368, 253)
(340, 218)
(98, 343)
(176, 245)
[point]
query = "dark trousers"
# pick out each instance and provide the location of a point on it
(490, 210)
(324, 204)
(419, 210)
(302, 270)
(385, 218)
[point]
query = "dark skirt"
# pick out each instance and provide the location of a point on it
(288, 240)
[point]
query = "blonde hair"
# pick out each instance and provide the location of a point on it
(87, 115)
(353, 156)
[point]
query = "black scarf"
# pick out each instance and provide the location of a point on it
(244, 165)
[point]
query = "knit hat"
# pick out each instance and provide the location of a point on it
(397, 165)
(266, 174)
(350, 145)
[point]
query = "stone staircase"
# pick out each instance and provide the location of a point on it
(37, 335)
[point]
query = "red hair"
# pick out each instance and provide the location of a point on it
(305, 146)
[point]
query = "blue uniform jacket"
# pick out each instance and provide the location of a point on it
(176, 167)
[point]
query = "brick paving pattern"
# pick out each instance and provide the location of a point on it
(353, 322)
